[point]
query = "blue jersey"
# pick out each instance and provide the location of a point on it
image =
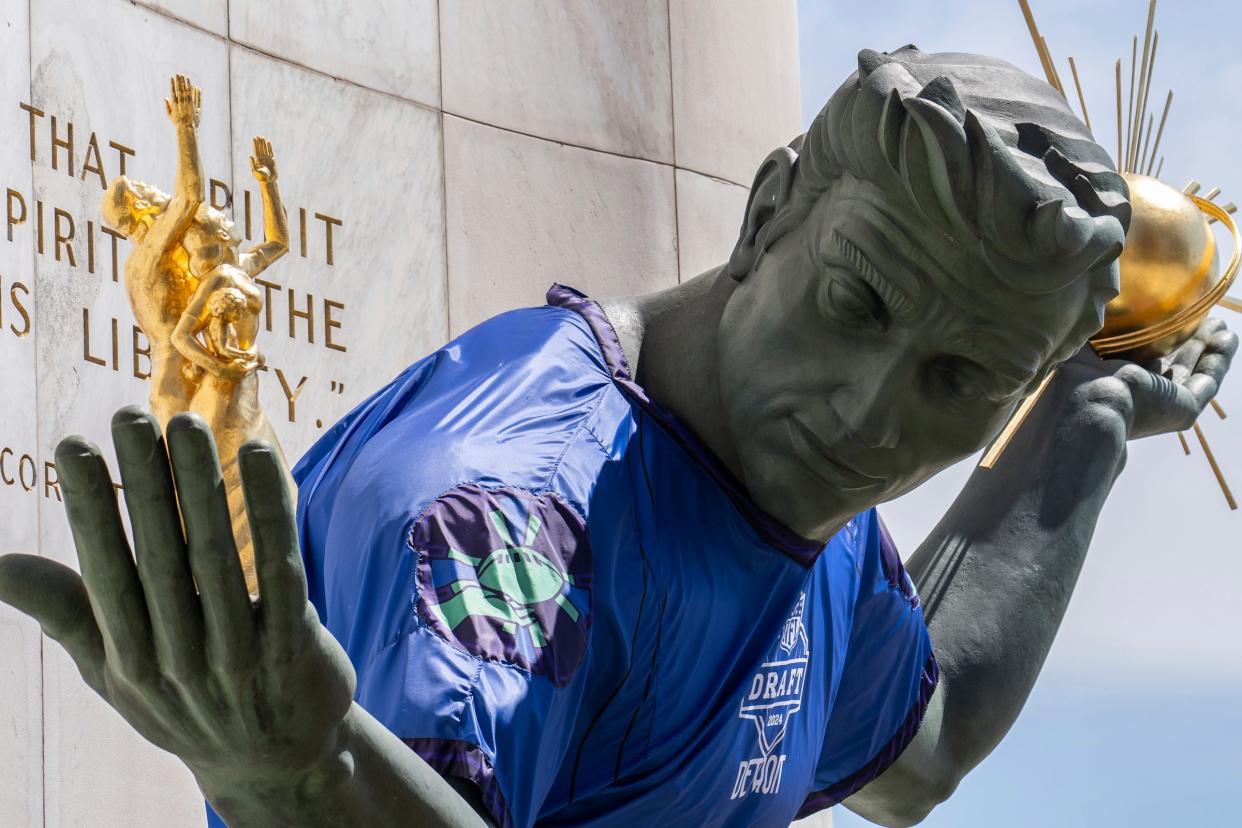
(548, 586)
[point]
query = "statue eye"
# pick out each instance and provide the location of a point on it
(961, 379)
(850, 300)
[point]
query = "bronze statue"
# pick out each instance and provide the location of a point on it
(943, 239)
(193, 293)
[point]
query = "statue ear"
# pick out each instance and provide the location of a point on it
(771, 190)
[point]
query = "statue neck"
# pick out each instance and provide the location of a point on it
(669, 340)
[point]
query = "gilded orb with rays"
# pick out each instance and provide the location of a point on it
(1170, 273)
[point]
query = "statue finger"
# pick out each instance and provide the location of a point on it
(107, 566)
(278, 556)
(54, 595)
(227, 614)
(159, 546)
(1212, 367)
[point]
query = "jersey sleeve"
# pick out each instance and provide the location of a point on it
(888, 678)
(482, 683)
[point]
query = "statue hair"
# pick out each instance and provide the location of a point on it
(988, 154)
(119, 199)
(226, 302)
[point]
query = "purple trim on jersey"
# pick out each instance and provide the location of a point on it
(894, 570)
(850, 785)
(452, 757)
(505, 575)
(773, 532)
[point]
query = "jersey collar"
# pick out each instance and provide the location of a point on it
(772, 531)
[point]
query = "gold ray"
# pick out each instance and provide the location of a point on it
(1118, 159)
(1151, 122)
(1015, 422)
(1039, 42)
(1082, 101)
(1181, 435)
(1056, 76)
(1145, 92)
(1125, 162)
(1220, 477)
(1160, 166)
(1192, 187)
(1212, 193)
(1231, 304)
(1168, 102)
(1132, 150)
(1220, 412)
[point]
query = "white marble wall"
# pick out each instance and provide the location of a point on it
(463, 156)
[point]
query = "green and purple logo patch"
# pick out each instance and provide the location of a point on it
(506, 575)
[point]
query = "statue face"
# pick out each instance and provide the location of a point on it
(866, 351)
(211, 241)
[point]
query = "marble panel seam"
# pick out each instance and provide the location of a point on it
(34, 342)
(672, 124)
(165, 13)
(444, 219)
(298, 65)
(596, 150)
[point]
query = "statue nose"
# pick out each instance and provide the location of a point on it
(875, 427)
(872, 412)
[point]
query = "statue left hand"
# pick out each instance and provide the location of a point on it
(263, 162)
(247, 695)
(1161, 397)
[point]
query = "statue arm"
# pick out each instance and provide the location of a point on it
(194, 319)
(190, 190)
(275, 223)
(256, 699)
(996, 574)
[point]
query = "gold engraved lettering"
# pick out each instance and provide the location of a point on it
(51, 481)
(65, 143)
(302, 231)
(28, 481)
(328, 222)
(12, 218)
(86, 343)
(329, 323)
(308, 315)
(142, 348)
(21, 309)
(219, 187)
(5, 454)
(63, 238)
(122, 152)
(268, 287)
(39, 225)
(92, 147)
(35, 112)
(291, 394)
(116, 237)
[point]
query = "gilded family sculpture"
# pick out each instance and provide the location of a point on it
(193, 293)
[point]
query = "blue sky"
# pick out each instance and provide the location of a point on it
(1136, 720)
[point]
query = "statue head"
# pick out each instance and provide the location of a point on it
(226, 304)
(129, 207)
(211, 240)
(944, 235)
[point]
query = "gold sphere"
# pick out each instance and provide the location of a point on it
(1169, 264)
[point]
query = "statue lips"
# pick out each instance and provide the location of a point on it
(831, 470)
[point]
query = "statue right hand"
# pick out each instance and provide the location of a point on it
(234, 368)
(183, 105)
(248, 695)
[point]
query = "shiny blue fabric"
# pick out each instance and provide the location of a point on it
(732, 673)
